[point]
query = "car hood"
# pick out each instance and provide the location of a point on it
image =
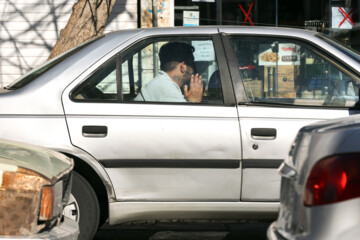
(49, 163)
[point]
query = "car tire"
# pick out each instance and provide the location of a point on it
(88, 207)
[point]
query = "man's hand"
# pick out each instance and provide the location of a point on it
(195, 93)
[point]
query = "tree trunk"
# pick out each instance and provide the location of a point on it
(86, 22)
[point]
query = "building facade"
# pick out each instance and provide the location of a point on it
(339, 18)
(30, 28)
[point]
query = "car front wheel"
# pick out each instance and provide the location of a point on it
(83, 207)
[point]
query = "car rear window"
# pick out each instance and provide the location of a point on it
(32, 75)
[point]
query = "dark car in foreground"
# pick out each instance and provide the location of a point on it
(35, 185)
(167, 160)
(320, 194)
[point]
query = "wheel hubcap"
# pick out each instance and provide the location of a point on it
(72, 209)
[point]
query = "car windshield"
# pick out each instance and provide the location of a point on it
(346, 50)
(32, 75)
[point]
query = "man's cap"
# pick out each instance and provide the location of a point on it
(177, 52)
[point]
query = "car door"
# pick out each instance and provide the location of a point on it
(159, 151)
(282, 83)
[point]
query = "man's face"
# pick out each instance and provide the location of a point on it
(187, 74)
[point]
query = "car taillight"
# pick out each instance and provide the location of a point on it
(333, 179)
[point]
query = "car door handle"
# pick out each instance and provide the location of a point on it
(263, 133)
(94, 131)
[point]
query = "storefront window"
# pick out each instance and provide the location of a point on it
(338, 19)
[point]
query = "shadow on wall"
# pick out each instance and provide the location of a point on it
(29, 30)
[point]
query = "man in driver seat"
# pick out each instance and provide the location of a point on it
(177, 67)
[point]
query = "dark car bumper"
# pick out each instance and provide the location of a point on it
(67, 230)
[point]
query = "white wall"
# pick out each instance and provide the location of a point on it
(30, 28)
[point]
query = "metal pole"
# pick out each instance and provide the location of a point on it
(155, 61)
(276, 87)
(155, 46)
(154, 13)
(276, 12)
(219, 12)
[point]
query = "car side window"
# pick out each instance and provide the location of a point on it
(100, 86)
(288, 71)
(140, 65)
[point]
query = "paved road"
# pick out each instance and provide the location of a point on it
(186, 231)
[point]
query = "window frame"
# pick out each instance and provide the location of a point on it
(227, 88)
(82, 83)
(239, 86)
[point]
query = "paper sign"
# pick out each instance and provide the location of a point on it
(341, 18)
(289, 54)
(204, 51)
(191, 18)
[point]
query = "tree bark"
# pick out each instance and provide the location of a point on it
(86, 22)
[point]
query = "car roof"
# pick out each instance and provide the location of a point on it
(257, 30)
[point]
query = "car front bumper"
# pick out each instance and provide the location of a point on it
(273, 234)
(67, 230)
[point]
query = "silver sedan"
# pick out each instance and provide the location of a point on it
(213, 157)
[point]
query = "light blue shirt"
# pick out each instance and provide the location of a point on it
(161, 89)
